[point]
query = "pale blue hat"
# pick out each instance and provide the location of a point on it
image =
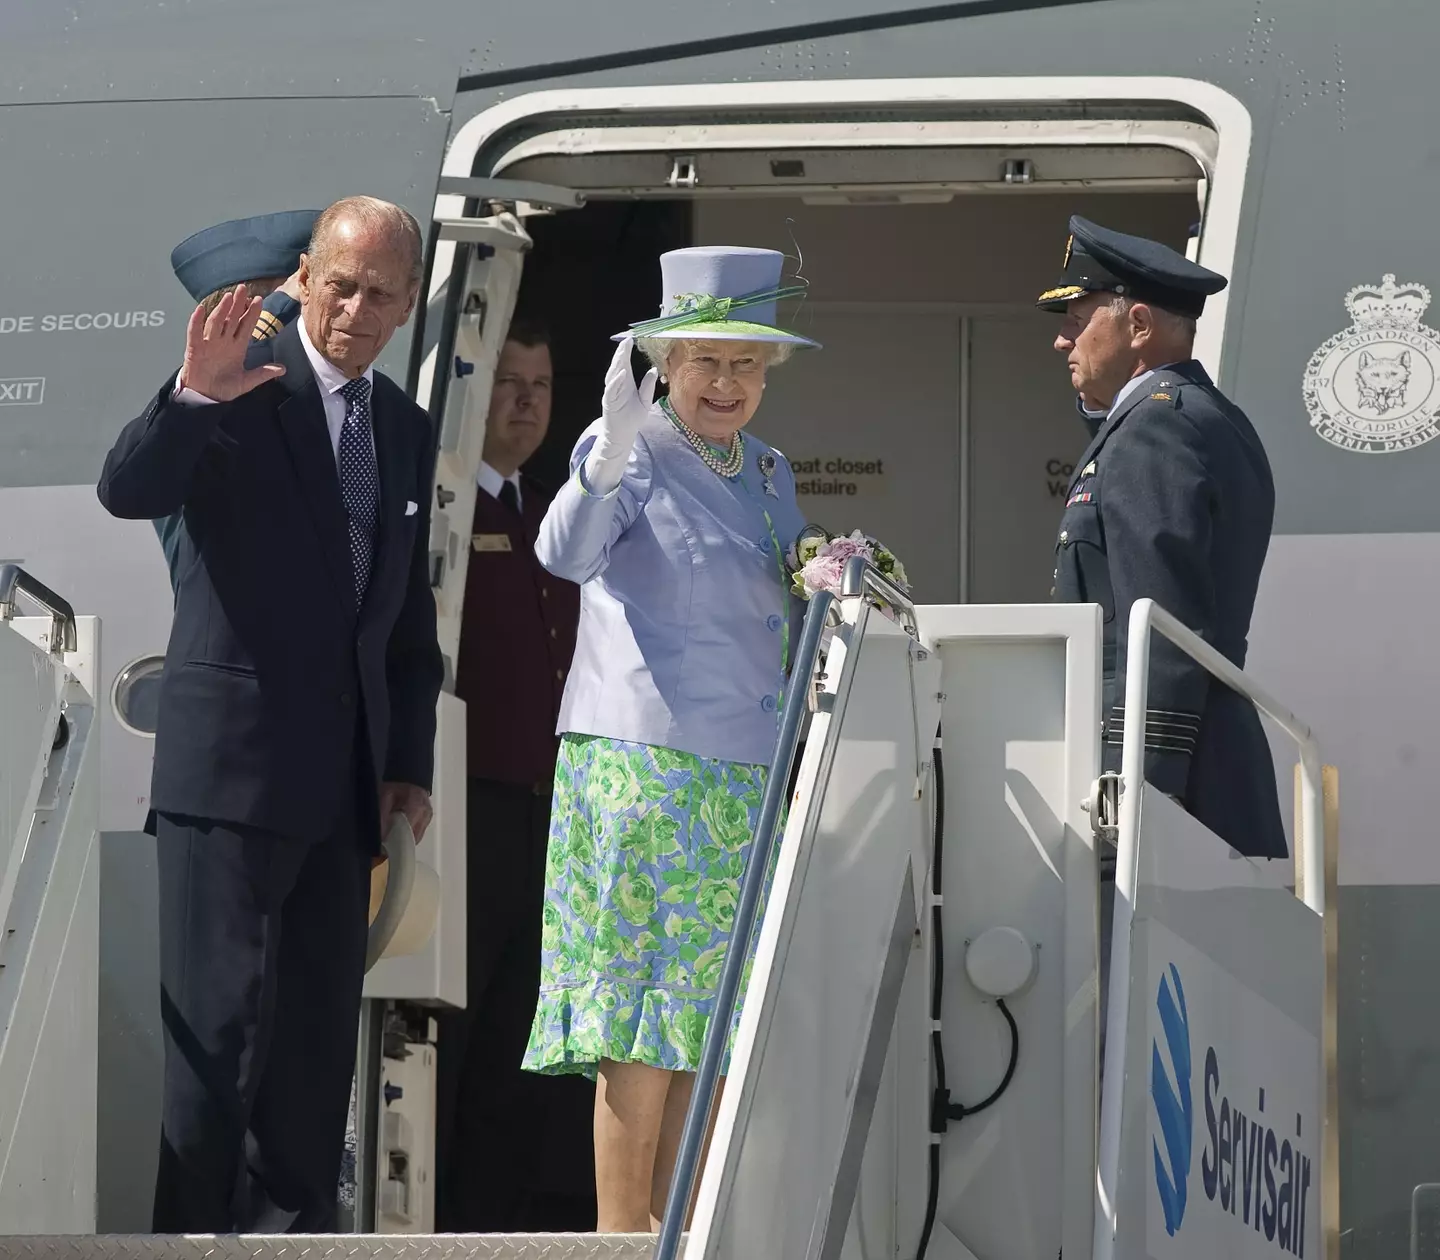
(721, 293)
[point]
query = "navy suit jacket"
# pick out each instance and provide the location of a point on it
(270, 666)
(1173, 500)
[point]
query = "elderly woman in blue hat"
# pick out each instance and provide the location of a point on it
(675, 522)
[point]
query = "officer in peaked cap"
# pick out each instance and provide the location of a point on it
(262, 253)
(1173, 501)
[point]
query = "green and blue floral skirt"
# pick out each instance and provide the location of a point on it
(648, 848)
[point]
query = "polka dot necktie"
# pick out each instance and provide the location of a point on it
(359, 481)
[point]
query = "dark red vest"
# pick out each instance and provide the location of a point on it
(516, 640)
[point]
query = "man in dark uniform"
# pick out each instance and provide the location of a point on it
(1173, 501)
(515, 1151)
(262, 253)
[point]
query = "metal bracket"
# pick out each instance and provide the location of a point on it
(684, 173)
(512, 192)
(480, 232)
(1103, 806)
(817, 699)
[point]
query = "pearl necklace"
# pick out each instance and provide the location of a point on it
(730, 466)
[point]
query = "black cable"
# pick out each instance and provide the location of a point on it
(958, 1111)
(942, 1110)
(938, 1118)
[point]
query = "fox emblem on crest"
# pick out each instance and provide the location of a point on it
(1383, 380)
(1374, 387)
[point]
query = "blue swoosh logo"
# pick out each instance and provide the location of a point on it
(1174, 1105)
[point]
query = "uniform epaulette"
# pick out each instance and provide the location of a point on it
(267, 326)
(1167, 391)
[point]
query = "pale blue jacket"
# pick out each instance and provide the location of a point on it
(686, 623)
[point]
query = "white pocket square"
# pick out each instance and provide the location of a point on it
(411, 508)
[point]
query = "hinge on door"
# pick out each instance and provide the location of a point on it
(818, 700)
(684, 173)
(1104, 807)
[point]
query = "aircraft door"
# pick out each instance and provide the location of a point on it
(474, 281)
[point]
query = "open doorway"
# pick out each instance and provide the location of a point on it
(937, 416)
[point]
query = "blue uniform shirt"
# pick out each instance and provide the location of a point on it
(686, 623)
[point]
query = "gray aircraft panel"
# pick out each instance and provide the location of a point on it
(79, 50)
(107, 193)
(1336, 103)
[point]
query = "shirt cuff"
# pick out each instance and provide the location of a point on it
(189, 397)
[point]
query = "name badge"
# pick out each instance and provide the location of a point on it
(490, 542)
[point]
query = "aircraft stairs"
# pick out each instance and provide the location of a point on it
(916, 1071)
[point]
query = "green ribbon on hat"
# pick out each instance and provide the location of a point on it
(702, 308)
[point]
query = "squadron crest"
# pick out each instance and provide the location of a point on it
(1375, 388)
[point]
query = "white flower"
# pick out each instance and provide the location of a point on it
(807, 549)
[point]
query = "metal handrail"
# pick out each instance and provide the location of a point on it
(15, 581)
(1147, 616)
(859, 576)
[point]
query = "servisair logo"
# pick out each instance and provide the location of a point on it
(1174, 1105)
(1255, 1167)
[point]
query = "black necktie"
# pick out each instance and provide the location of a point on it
(510, 496)
(359, 481)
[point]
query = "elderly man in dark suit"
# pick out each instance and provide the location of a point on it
(516, 641)
(262, 253)
(297, 711)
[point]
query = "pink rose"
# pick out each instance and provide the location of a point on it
(843, 548)
(823, 573)
(827, 569)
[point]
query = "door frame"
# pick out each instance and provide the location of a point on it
(1223, 187)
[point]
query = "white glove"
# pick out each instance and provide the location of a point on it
(623, 411)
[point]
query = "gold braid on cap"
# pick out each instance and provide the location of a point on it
(1067, 292)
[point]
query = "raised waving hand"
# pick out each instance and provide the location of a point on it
(215, 349)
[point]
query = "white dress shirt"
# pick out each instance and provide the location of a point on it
(491, 482)
(328, 377)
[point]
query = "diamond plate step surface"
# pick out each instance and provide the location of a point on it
(330, 1247)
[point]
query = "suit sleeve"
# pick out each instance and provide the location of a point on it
(414, 668)
(581, 527)
(159, 457)
(168, 528)
(1157, 520)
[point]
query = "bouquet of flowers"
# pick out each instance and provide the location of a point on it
(817, 560)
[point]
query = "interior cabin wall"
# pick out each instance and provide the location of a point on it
(872, 422)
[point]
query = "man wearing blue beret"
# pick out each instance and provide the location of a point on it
(1173, 501)
(262, 253)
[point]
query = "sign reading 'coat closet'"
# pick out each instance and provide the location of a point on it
(834, 475)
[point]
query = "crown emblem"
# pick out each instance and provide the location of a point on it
(1387, 304)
